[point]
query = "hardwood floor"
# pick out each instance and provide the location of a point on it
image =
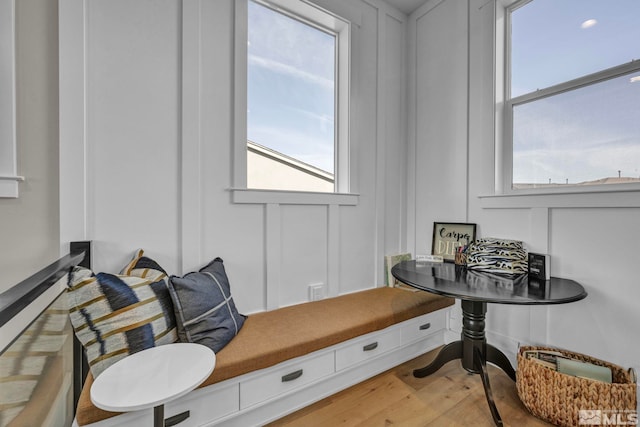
(449, 397)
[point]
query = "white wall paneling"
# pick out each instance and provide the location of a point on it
(596, 247)
(333, 250)
(381, 172)
(147, 131)
(539, 242)
(394, 118)
(8, 164)
(133, 129)
(440, 122)
(412, 120)
(191, 210)
(273, 228)
(29, 225)
(304, 251)
(482, 156)
(73, 149)
(120, 91)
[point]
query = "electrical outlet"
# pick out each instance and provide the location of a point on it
(316, 291)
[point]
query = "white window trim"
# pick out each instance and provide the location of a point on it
(326, 19)
(9, 178)
(558, 89)
(252, 196)
(622, 195)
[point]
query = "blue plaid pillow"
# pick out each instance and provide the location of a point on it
(205, 311)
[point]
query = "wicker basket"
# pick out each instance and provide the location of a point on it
(558, 398)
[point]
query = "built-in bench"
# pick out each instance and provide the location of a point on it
(328, 344)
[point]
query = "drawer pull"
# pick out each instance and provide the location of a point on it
(292, 376)
(425, 326)
(176, 419)
(370, 347)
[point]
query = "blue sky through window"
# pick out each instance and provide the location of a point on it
(592, 132)
(559, 40)
(291, 87)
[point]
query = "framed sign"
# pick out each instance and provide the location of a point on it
(449, 236)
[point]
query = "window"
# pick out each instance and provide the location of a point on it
(572, 111)
(8, 169)
(297, 98)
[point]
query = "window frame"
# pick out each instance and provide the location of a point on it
(326, 21)
(505, 105)
(9, 178)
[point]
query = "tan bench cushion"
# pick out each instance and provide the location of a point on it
(271, 337)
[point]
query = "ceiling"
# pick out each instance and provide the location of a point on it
(406, 6)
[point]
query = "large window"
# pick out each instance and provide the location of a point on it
(572, 116)
(297, 98)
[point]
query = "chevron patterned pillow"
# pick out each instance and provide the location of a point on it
(497, 256)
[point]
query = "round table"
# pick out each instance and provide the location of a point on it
(475, 290)
(152, 377)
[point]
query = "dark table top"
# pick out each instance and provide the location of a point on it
(459, 282)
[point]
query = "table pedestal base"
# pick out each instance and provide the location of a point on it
(159, 421)
(474, 352)
(158, 416)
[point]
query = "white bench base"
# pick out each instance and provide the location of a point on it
(259, 397)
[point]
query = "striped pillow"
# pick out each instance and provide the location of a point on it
(117, 315)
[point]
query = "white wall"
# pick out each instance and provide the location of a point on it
(155, 138)
(591, 238)
(29, 225)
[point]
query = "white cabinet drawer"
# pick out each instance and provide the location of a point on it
(423, 326)
(281, 380)
(205, 404)
(363, 349)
